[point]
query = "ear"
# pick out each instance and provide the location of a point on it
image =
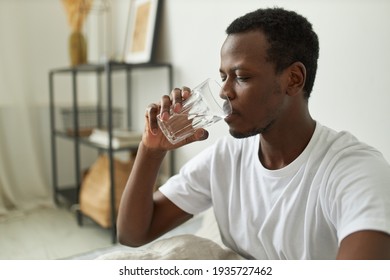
(296, 78)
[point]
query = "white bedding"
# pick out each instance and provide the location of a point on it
(181, 247)
(181, 244)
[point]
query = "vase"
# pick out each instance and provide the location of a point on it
(77, 48)
(98, 32)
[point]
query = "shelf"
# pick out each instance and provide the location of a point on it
(69, 195)
(87, 142)
(114, 65)
(107, 69)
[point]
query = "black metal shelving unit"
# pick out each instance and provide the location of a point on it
(103, 71)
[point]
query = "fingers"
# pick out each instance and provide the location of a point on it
(199, 135)
(177, 99)
(178, 96)
(151, 117)
(174, 103)
(167, 106)
(186, 92)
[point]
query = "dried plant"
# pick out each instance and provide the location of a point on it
(77, 11)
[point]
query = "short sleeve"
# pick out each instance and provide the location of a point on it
(190, 188)
(360, 194)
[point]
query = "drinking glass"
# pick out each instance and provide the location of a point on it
(203, 108)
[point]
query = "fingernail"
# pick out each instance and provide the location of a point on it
(177, 108)
(165, 115)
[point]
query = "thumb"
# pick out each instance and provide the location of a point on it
(200, 134)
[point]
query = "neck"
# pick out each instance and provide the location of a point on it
(282, 145)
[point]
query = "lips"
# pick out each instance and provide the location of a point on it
(231, 117)
(227, 108)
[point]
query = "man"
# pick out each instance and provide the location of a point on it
(285, 187)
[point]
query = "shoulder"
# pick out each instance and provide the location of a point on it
(345, 151)
(347, 161)
(349, 155)
(355, 184)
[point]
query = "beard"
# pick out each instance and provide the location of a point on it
(241, 135)
(250, 133)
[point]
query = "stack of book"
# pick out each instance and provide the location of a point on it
(120, 137)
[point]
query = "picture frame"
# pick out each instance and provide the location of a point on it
(141, 31)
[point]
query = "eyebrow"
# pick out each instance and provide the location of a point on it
(235, 68)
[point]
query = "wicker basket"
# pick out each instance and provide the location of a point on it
(95, 192)
(89, 117)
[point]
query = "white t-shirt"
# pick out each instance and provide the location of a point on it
(337, 186)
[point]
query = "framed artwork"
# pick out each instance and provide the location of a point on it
(141, 30)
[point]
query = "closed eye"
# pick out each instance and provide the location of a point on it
(242, 78)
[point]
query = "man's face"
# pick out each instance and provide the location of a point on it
(249, 80)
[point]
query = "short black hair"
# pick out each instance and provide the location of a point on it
(291, 38)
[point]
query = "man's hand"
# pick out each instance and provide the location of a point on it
(153, 138)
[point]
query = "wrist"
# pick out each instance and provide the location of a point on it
(151, 153)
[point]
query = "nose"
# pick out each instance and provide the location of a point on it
(224, 93)
(227, 106)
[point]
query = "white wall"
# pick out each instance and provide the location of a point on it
(350, 92)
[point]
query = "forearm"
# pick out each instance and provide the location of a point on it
(144, 214)
(135, 216)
